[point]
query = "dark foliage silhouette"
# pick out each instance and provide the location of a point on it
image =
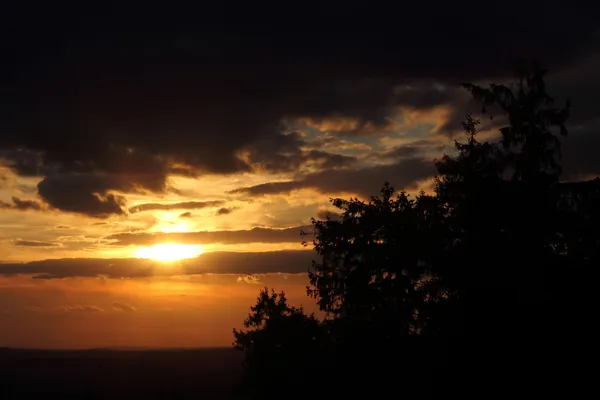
(511, 215)
(377, 264)
(277, 333)
(483, 271)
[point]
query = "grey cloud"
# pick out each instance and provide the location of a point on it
(27, 162)
(34, 243)
(185, 215)
(327, 160)
(280, 153)
(90, 267)
(188, 205)
(239, 263)
(285, 153)
(22, 205)
(270, 188)
(404, 174)
(255, 235)
(429, 94)
(84, 186)
(412, 149)
(226, 211)
(43, 276)
(26, 204)
(85, 193)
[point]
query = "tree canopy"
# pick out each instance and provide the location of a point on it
(489, 254)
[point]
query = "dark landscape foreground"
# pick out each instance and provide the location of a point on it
(110, 374)
(528, 369)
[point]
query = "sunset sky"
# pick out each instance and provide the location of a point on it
(133, 136)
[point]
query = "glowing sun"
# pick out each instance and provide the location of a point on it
(170, 251)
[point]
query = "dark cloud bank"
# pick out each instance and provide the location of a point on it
(117, 99)
(242, 263)
(254, 235)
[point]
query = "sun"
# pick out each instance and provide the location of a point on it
(170, 251)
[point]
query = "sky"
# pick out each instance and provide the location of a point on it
(158, 164)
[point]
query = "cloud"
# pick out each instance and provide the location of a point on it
(91, 267)
(323, 215)
(415, 148)
(238, 263)
(120, 306)
(188, 205)
(43, 276)
(197, 101)
(22, 205)
(254, 235)
(404, 174)
(330, 141)
(226, 211)
(250, 263)
(581, 84)
(286, 153)
(85, 193)
(252, 279)
(326, 160)
(81, 308)
(86, 185)
(580, 153)
(271, 188)
(26, 161)
(34, 243)
(185, 215)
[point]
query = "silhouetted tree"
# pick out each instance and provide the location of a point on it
(376, 270)
(280, 342)
(528, 145)
(496, 252)
(503, 201)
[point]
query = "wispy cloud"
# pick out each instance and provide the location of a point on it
(120, 306)
(187, 205)
(22, 205)
(81, 308)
